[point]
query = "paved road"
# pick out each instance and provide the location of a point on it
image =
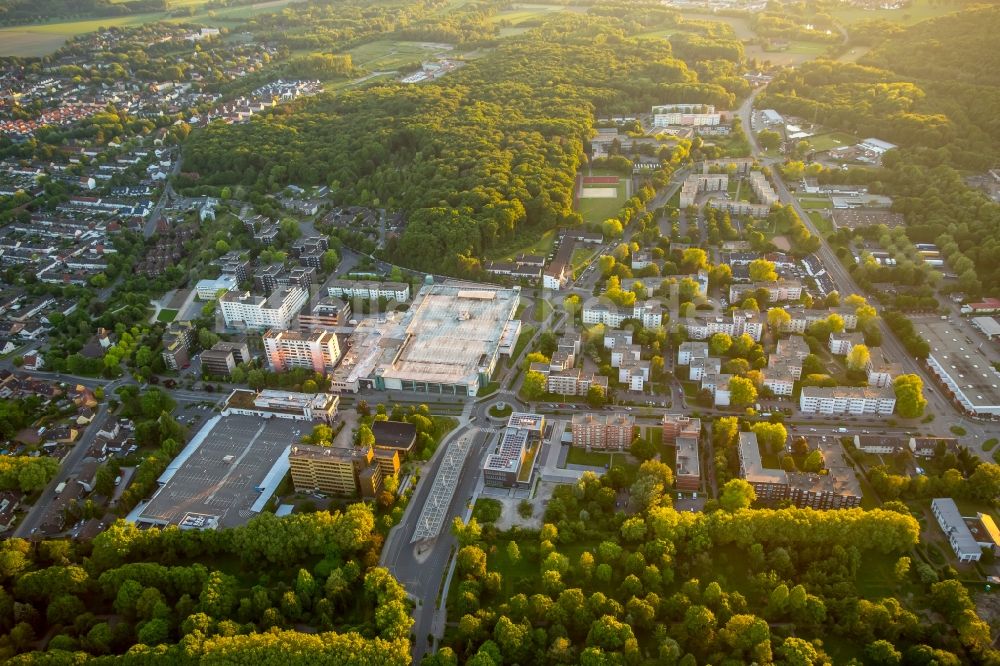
(942, 408)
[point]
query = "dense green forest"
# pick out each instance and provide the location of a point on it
(299, 590)
(727, 586)
(486, 152)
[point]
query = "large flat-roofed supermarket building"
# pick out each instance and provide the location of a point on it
(448, 342)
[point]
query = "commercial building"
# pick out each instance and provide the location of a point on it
(512, 460)
(965, 371)
(394, 441)
(447, 342)
(223, 357)
(612, 432)
(226, 474)
(965, 545)
(335, 470)
(283, 405)
(208, 290)
(367, 290)
(508, 338)
(318, 351)
(243, 310)
(849, 400)
(325, 313)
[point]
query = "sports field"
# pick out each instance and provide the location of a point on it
(600, 196)
(386, 54)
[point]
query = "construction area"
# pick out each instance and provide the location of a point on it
(224, 476)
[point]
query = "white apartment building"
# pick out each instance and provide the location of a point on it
(243, 310)
(881, 372)
(634, 374)
(624, 353)
(689, 350)
(718, 385)
(701, 366)
(316, 350)
(801, 318)
(781, 290)
(695, 184)
(734, 325)
(612, 316)
(762, 188)
(841, 344)
(780, 383)
(849, 400)
(368, 290)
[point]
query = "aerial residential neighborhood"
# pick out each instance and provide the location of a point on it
(441, 333)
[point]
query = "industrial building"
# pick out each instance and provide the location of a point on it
(447, 342)
(963, 368)
(318, 351)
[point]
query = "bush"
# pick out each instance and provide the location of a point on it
(487, 510)
(525, 509)
(958, 431)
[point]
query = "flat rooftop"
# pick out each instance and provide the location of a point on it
(964, 363)
(231, 464)
(450, 331)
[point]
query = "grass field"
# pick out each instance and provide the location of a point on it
(598, 210)
(42, 39)
(832, 140)
(796, 54)
(542, 245)
(387, 54)
(166, 316)
(919, 10)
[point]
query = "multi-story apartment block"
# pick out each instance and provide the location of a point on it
(762, 188)
(779, 382)
(323, 314)
(317, 350)
(688, 474)
(680, 425)
(778, 291)
(266, 278)
(734, 324)
(612, 316)
(849, 400)
(689, 350)
(574, 381)
(881, 371)
(603, 431)
(704, 365)
(841, 344)
(177, 344)
(633, 373)
(243, 310)
(369, 291)
(698, 183)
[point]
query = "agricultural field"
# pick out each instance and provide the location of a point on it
(387, 54)
(39, 40)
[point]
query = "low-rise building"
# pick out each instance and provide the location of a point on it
(283, 405)
(965, 545)
(878, 444)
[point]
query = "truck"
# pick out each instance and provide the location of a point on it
(61, 487)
